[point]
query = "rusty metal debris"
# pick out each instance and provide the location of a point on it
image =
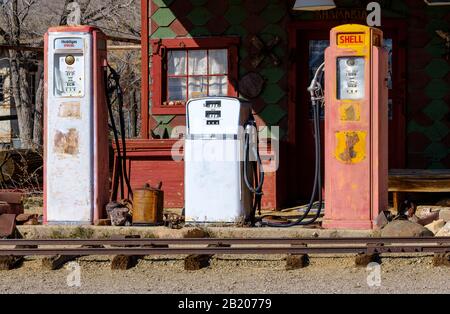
(119, 213)
(7, 225)
(11, 202)
(174, 221)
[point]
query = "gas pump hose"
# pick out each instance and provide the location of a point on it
(314, 88)
(114, 79)
(257, 188)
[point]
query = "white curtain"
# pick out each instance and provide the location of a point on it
(218, 61)
(197, 74)
(218, 86)
(177, 63)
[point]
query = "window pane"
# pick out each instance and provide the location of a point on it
(218, 61)
(218, 86)
(176, 63)
(198, 87)
(177, 89)
(197, 62)
(388, 45)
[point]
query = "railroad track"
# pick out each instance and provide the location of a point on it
(270, 246)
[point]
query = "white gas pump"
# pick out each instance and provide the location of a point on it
(76, 168)
(220, 158)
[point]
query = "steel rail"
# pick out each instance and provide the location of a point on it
(213, 241)
(222, 250)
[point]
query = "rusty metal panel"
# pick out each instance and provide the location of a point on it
(7, 225)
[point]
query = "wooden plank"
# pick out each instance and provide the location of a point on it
(413, 180)
(420, 174)
(413, 185)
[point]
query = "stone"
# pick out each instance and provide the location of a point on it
(32, 222)
(428, 219)
(23, 218)
(119, 213)
(444, 203)
(445, 215)
(436, 226)
(406, 229)
(381, 221)
(444, 232)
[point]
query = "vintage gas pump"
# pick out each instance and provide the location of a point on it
(76, 168)
(356, 128)
(222, 181)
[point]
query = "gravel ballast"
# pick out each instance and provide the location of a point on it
(228, 275)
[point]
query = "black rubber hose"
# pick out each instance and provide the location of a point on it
(115, 132)
(258, 181)
(317, 189)
(258, 190)
(116, 78)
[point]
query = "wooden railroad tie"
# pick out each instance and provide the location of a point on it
(197, 262)
(297, 261)
(57, 262)
(13, 262)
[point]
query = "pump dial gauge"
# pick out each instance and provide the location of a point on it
(70, 60)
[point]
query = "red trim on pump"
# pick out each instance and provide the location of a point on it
(45, 123)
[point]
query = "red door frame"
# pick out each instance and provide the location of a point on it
(395, 29)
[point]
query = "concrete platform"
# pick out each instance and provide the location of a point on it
(93, 232)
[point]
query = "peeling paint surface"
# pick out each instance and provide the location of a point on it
(67, 143)
(70, 110)
(350, 112)
(351, 146)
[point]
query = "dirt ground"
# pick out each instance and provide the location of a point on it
(228, 275)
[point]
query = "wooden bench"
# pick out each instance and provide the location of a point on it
(417, 181)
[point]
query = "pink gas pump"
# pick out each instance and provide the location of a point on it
(356, 128)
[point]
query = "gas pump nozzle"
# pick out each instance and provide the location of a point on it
(316, 87)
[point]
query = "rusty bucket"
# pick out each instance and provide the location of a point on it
(148, 206)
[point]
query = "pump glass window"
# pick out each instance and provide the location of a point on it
(196, 73)
(69, 67)
(351, 85)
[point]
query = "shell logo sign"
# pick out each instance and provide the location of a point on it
(351, 39)
(351, 147)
